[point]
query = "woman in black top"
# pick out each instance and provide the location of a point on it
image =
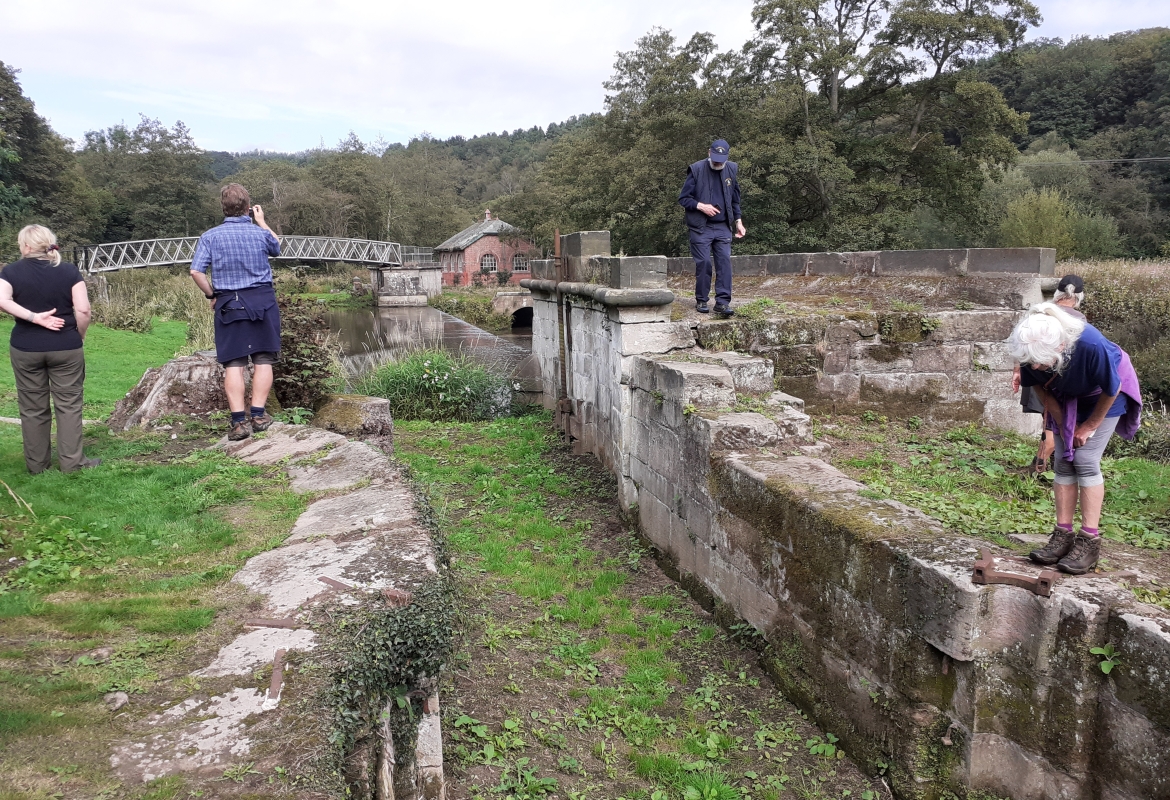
(51, 306)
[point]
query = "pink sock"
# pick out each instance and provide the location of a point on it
(1066, 528)
(1090, 532)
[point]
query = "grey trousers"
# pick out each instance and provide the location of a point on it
(61, 374)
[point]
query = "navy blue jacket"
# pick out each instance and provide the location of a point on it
(693, 193)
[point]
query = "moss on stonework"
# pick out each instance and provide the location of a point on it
(342, 412)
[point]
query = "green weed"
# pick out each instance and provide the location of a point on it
(435, 385)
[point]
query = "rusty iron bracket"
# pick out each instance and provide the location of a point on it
(985, 573)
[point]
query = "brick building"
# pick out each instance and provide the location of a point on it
(490, 246)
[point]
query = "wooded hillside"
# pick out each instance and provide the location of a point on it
(857, 124)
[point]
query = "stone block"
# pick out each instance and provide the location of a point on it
(655, 337)
(859, 263)
(625, 314)
(584, 244)
(787, 263)
(1036, 260)
(844, 387)
(927, 263)
(836, 360)
(993, 355)
(543, 269)
(943, 358)
(780, 400)
(881, 357)
(742, 431)
(685, 383)
(973, 326)
(797, 360)
(680, 265)
(904, 393)
(748, 373)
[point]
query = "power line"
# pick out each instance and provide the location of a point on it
(1095, 161)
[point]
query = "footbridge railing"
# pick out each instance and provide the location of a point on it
(164, 252)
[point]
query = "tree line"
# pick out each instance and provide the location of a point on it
(858, 124)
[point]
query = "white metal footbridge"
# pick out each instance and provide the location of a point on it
(306, 249)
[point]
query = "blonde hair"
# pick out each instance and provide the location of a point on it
(1045, 337)
(41, 243)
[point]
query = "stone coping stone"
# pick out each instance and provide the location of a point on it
(346, 465)
(700, 384)
(280, 443)
(365, 510)
(255, 649)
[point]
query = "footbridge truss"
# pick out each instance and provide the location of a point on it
(164, 252)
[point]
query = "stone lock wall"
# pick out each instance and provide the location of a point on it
(943, 366)
(870, 618)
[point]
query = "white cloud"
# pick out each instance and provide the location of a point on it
(285, 75)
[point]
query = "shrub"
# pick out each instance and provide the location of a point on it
(307, 358)
(1038, 219)
(123, 313)
(434, 385)
(1153, 368)
(1152, 441)
(1129, 303)
(503, 276)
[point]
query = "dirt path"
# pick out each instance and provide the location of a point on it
(583, 671)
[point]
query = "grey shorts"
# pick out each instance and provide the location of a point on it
(1085, 468)
(257, 358)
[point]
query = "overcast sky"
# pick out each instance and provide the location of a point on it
(289, 75)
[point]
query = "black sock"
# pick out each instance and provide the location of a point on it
(257, 411)
(238, 417)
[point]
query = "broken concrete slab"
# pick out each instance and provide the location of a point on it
(364, 510)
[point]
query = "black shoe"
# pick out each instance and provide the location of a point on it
(701, 307)
(262, 422)
(1083, 556)
(724, 310)
(89, 463)
(1057, 548)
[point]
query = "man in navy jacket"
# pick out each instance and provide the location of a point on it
(710, 196)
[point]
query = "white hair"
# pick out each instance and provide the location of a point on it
(41, 243)
(1045, 337)
(1068, 292)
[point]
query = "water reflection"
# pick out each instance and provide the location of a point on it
(378, 334)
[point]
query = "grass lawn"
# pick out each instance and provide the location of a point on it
(975, 480)
(114, 363)
(581, 669)
(116, 579)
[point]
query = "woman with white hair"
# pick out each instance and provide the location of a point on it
(51, 306)
(1070, 293)
(1090, 391)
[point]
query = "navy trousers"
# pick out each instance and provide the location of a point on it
(712, 240)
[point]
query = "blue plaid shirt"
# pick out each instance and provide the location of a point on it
(237, 252)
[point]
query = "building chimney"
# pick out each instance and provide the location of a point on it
(487, 215)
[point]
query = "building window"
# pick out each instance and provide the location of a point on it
(519, 264)
(487, 262)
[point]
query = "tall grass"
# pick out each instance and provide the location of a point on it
(136, 297)
(435, 385)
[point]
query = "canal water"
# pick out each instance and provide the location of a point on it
(371, 336)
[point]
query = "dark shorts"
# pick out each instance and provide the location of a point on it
(257, 358)
(1030, 402)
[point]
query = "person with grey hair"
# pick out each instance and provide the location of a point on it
(49, 300)
(1070, 293)
(1089, 391)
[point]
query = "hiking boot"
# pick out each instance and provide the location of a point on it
(701, 307)
(1083, 556)
(241, 430)
(724, 310)
(1057, 548)
(262, 422)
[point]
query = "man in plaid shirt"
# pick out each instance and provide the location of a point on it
(247, 318)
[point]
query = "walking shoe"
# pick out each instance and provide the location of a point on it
(701, 307)
(724, 310)
(240, 430)
(1083, 557)
(89, 463)
(1057, 548)
(262, 422)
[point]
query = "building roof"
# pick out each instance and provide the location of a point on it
(469, 236)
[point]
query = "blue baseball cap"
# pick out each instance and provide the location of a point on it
(719, 151)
